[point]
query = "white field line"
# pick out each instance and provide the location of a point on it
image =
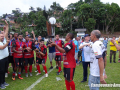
(40, 79)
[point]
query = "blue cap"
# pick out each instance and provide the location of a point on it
(86, 35)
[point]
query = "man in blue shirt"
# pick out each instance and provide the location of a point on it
(51, 53)
(105, 42)
(76, 48)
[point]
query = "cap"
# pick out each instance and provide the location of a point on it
(86, 35)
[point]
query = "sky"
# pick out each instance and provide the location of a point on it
(6, 6)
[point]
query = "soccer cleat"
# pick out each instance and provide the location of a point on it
(38, 74)
(43, 70)
(2, 86)
(20, 77)
(30, 74)
(58, 73)
(13, 78)
(83, 81)
(6, 75)
(36, 71)
(6, 84)
(46, 75)
(56, 67)
(51, 67)
(26, 75)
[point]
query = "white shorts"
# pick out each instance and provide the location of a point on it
(51, 56)
(76, 56)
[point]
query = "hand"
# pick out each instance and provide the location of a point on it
(8, 41)
(113, 41)
(6, 22)
(87, 44)
(20, 52)
(102, 80)
(53, 44)
(32, 32)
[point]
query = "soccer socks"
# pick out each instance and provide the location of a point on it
(25, 68)
(30, 68)
(72, 85)
(59, 69)
(38, 68)
(13, 74)
(67, 85)
(44, 67)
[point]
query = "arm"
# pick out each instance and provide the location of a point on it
(60, 49)
(4, 46)
(116, 45)
(6, 31)
(44, 52)
(81, 46)
(33, 34)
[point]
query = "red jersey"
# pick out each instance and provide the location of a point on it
(28, 54)
(13, 43)
(43, 49)
(18, 47)
(69, 61)
(10, 48)
(59, 43)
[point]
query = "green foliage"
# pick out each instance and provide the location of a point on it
(90, 24)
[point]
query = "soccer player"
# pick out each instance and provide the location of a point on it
(58, 56)
(96, 61)
(18, 55)
(69, 62)
(41, 57)
(28, 55)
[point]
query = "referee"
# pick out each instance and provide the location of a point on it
(3, 56)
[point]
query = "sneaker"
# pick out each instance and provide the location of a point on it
(51, 67)
(43, 70)
(38, 74)
(15, 74)
(58, 73)
(6, 84)
(30, 74)
(13, 78)
(36, 71)
(6, 75)
(46, 75)
(2, 86)
(26, 75)
(83, 81)
(20, 77)
(56, 67)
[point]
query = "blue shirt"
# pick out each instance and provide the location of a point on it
(105, 43)
(51, 49)
(76, 43)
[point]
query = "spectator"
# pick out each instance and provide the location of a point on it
(113, 50)
(105, 42)
(80, 51)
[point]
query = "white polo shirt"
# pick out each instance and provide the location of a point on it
(86, 52)
(97, 50)
(4, 53)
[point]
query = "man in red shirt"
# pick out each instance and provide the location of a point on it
(28, 55)
(58, 56)
(18, 56)
(41, 57)
(69, 62)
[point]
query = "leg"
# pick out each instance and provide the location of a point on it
(37, 64)
(114, 56)
(50, 58)
(85, 65)
(110, 56)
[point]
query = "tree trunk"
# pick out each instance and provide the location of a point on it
(106, 29)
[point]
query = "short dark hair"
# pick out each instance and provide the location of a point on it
(41, 40)
(19, 34)
(71, 35)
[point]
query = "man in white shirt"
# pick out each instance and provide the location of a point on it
(3, 56)
(96, 61)
(86, 50)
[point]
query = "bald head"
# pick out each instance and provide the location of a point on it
(97, 33)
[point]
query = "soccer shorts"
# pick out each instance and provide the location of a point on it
(10, 59)
(79, 53)
(51, 56)
(40, 61)
(19, 62)
(69, 73)
(28, 61)
(76, 56)
(58, 58)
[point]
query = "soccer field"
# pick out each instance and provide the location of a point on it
(50, 83)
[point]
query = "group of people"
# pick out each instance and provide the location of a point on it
(20, 52)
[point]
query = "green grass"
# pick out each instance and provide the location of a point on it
(50, 83)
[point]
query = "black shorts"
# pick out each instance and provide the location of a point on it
(40, 61)
(69, 73)
(58, 58)
(28, 61)
(19, 62)
(10, 59)
(79, 53)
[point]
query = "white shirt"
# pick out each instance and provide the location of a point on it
(4, 53)
(97, 50)
(86, 52)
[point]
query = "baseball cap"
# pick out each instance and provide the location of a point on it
(86, 35)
